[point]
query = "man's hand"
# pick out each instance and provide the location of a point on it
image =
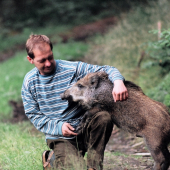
(67, 130)
(119, 91)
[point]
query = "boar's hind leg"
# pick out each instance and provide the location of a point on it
(159, 150)
(162, 160)
(166, 153)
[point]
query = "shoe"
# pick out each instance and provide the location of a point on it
(47, 156)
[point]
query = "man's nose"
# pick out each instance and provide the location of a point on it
(47, 63)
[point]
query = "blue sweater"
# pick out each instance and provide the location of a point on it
(41, 96)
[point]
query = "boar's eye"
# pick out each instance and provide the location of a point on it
(80, 86)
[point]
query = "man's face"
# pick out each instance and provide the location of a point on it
(43, 60)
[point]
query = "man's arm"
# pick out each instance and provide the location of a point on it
(119, 90)
(68, 130)
(42, 122)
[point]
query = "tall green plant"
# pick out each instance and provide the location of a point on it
(159, 51)
(161, 92)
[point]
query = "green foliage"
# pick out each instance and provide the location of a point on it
(161, 92)
(17, 14)
(159, 54)
(159, 51)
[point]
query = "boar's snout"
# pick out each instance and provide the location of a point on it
(66, 96)
(62, 95)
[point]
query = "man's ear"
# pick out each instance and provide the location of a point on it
(30, 59)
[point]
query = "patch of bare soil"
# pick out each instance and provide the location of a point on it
(18, 113)
(82, 32)
(121, 162)
(5, 55)
(127, 152)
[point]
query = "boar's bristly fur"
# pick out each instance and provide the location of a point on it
(138, 114)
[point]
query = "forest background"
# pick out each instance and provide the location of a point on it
(136, 41)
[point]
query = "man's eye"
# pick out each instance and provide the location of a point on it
(50, 57)
(42, 61)
(80, 86)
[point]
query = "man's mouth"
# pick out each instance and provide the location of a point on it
(48, 68)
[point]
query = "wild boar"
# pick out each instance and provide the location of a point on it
(138, 114)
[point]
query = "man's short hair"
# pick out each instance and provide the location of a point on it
(36, 39)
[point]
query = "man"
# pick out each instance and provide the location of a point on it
(56, 118)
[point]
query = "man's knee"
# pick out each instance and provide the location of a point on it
(66, 153)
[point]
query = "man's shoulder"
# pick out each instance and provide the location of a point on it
(66, 64)
(31, 75)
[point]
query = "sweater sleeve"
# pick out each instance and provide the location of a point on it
(84, 68)
(42, 122)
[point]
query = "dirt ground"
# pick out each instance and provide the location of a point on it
(126, 146)
(127, 152)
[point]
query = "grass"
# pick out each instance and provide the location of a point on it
(12, 73)
(70, 51)
(21, 147)
(10, 38)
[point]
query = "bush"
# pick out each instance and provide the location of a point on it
(159, 51)
(161, 93)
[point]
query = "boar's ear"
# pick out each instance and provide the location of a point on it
(103, 75)
(94, 81)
